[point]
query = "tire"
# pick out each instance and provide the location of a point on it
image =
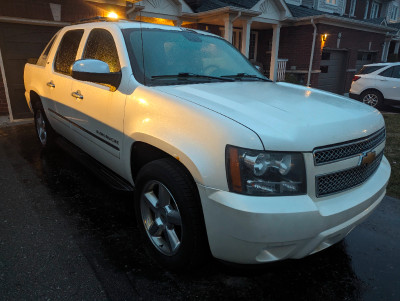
(169, 215)
(44, 131)
(372, 98)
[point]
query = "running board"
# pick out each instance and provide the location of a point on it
(102, 172)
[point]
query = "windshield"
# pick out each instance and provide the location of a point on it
(185, 57)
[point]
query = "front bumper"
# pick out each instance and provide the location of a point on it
(249, 230)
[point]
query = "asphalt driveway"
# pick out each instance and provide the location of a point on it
(65, 235)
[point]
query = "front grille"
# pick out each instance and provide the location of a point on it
(345, 179)
(328, 154)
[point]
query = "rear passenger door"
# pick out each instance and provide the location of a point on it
(59, 82)
(99, 113)
(388, 82)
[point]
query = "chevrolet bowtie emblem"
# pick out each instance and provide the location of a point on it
(366, 158)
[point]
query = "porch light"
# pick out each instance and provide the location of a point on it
(324, 36)
(112, 15)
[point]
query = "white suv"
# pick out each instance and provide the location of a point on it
(377, 84)
(221, 158)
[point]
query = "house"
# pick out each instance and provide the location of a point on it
(320, 43)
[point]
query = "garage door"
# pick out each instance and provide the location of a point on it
(18, 42)
(332, 77)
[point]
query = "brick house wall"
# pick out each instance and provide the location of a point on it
(295, 45)
(360, 9)
(353, 41)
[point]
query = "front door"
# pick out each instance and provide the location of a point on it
(388, 82)
(99, 108)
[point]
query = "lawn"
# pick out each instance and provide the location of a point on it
(392, 152)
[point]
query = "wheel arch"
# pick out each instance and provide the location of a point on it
(372, 89)
(146, 148)
(34, 99)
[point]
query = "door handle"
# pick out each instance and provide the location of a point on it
(77, 94)
(51, 84)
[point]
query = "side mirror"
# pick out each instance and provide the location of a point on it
(95, 71)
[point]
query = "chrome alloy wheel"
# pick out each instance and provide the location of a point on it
(371, 99)
(41, 127)
(161, 217)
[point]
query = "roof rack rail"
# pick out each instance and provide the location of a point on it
(99, 19)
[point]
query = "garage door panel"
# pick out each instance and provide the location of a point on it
(18, 43)
(331, 77)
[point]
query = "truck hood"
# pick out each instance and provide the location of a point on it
(285, 116)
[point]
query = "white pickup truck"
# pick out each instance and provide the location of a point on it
(222, 159)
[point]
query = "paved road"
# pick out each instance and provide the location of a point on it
(65, 236)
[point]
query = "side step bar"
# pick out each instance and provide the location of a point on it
(105, 174)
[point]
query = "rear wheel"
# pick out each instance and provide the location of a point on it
(169, 215)
(372, 98)
(44, 131)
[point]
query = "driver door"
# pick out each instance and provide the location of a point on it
(99, 108)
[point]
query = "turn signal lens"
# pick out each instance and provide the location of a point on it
(234, 168)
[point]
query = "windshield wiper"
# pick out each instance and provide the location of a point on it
(241, 76)
(185, 75)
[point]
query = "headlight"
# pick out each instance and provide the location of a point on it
(265, 173)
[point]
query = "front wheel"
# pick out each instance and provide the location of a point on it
(169, 215)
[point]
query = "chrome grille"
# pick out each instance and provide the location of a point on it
(345, 179)
(328, 154)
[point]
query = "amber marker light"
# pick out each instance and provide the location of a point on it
(112, 15)
(234, 169)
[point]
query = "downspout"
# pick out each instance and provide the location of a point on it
(312, 52)
(237, 17)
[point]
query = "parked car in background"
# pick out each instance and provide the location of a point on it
(377, 84)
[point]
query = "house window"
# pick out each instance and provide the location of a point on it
(374, 10)
(395, 13)
(333, 2)
(352, 7)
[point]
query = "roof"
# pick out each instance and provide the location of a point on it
(383, 64)
(207, 5)
(302, 11)
(394, 25)
(378, 21)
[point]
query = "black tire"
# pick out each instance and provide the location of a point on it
(176, 201)
(372, 98)
(44, 132)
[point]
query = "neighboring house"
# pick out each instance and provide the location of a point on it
(321, 43)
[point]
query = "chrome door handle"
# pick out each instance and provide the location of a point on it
(77, 94)
(51, 84)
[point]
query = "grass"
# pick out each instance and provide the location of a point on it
(392, 152)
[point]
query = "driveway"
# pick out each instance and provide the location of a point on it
(65, 235)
